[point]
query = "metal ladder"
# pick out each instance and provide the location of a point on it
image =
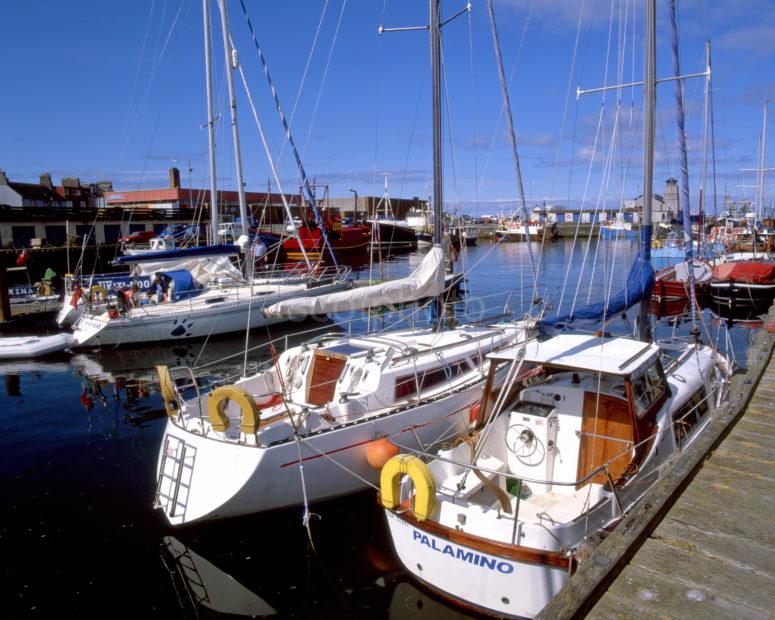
(177, 455)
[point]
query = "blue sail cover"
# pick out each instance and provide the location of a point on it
(185, 285)
(640, 283)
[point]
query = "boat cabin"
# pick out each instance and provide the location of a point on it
(588, 402)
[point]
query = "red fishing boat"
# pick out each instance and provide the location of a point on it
(672, 283)
(344, 240)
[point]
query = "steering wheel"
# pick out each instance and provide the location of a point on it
(528, 448)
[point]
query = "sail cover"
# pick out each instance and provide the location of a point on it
(640, 282)
(425, 281)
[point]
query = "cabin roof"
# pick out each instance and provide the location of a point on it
(616, 356)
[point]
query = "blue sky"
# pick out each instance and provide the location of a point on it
(109, 90)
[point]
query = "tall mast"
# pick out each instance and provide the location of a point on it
(231, 64)
(438, 184)
(762, 166)
(210, 123)
(649, 103)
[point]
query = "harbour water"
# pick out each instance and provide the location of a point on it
(79, 438)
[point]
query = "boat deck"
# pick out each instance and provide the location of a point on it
(701, 543)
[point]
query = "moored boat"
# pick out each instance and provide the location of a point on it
(673, 283)
(498, 519)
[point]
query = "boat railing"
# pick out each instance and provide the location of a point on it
(300, 272)
(603, 469)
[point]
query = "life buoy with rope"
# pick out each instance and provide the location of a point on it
(219, 398)
(98, 293)
(424, 485)
(168, 394)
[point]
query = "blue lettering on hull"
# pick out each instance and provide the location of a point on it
(463, 555)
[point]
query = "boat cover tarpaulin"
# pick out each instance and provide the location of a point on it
(425, 281)
(185, 285)
(640, 282)
(754, 272)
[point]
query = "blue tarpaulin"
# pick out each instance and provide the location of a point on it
(184, 284)
(640, 282)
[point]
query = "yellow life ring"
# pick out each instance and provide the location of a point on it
(424, 484)
(98, 290)
(218, 400)
(167, 389)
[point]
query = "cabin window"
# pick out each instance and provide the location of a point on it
(686, 418)
(648, 388)
(407, 385)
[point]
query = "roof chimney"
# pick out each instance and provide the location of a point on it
(45, 179)
(3, 178)
(174, 178)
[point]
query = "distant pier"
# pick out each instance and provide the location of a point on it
(701, 542)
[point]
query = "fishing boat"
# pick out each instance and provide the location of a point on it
(343, 239)
(743, 285)
(618, 229)
(747, 281)
(421, 221)
(582, 427)
(516, 230)
(388, 234)
(317, 422)
(673, 283)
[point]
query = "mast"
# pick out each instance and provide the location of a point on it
(649, 103)
(231, 64)
(210, 123)
(762, 166)
(683, 200)
(438, 185)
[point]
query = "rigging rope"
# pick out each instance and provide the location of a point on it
(511, 131)
(302, 172)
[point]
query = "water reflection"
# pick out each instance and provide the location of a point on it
(411, 603)
(201, 583)
(267, 564)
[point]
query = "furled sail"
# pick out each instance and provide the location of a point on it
(640, 283)
(425, 281)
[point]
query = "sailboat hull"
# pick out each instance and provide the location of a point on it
(218, 479)
(218, 313)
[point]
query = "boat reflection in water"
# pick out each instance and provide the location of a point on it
(199, 582)
(265, 566)
(411, 603)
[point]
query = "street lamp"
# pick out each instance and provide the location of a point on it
(355, 210)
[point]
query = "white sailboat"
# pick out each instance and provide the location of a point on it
(320, 420)
(499, 520)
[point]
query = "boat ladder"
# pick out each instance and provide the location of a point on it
(175, 471)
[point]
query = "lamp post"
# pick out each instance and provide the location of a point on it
(355, 209)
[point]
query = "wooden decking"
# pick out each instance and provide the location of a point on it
(702, 543)
(713, 555)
